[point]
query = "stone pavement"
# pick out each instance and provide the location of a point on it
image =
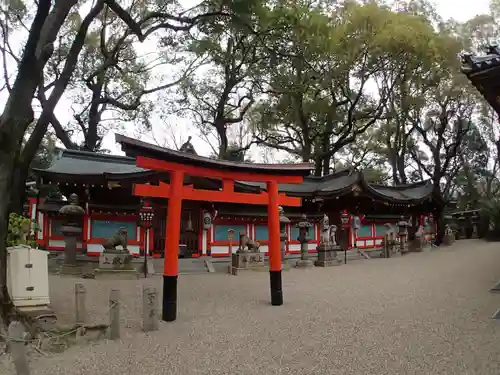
(424, 313)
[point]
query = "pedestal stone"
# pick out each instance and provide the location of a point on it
(448, 239)
(304, 263)
(417, 245)
(116, 265)
(70, 269)
(245, 261)
(327, 256)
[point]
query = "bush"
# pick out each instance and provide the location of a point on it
(490, 219)
(21, 231)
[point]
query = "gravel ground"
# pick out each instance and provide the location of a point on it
(425, 313)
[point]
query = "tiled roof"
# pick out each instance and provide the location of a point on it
(484, 74)
(72, 162)
(81, 164)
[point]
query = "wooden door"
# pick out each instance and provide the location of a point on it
(188, 238)
(190, 231)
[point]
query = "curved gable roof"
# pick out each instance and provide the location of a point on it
(484, 74)
(77, 163)
(133, 147)
(344, 181)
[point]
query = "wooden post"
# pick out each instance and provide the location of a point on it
(18, 348)
(149, 309)
(274, 244)
(80, 309)
(114, 314)
(171, 265)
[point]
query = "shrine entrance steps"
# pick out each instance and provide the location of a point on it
(186, 265)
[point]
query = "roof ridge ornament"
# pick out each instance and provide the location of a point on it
(188, 147)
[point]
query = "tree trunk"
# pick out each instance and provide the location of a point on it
(318, 166)
(394, 166)
(18, 192)
(326, 148)
(401, 169)
(224, 142)
(18, 113)
(439, 217)
(7, 167)
(92, 139)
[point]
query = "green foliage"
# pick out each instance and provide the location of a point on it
(318, 100)
(490, 218)
(19, 230)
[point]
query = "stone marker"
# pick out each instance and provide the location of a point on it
(80, 309)
(18, 348)
(149, 309)
(114, 314)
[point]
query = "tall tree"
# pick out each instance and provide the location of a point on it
(443, 130)
(319, 99)
(46, 24)
(219, 96)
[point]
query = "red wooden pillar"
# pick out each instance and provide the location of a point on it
(274, 244)
(171, 262)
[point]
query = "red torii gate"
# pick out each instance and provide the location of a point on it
(179, 165)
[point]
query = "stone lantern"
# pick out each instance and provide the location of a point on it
(344, 239)
(303, 226)
(283, 235)
(71, 230)
(403, 233)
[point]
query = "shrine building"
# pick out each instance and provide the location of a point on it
(105, 186)
(483, 71)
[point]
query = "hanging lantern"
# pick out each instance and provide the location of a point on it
(344, 219)
(189, 225)
(146, 215)
(207, 220)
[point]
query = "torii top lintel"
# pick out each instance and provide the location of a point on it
(157, 158)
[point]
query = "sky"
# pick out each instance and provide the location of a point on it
(460, 10)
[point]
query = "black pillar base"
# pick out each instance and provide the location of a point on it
(276, 288)
(169, 307)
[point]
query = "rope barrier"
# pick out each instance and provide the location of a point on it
(48, 334)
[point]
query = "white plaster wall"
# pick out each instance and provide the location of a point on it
(361, 244)
(40, 225)
(264, 248)
(61, 243)
(33, 212)
(204, 240)
(89, 223)
(57, 243)
(219, 250)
